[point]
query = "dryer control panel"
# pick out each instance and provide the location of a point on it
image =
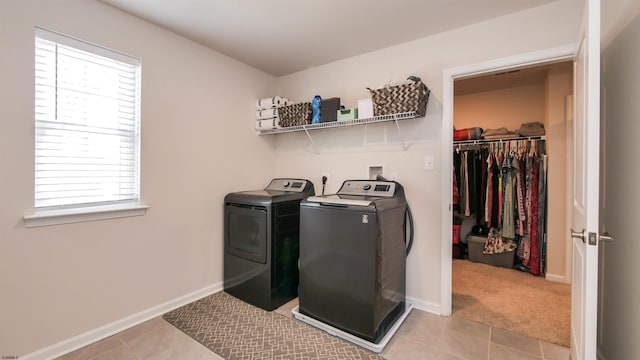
(368, 188)
(293, 185)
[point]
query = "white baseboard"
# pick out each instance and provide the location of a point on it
(557, 278)
(117, 326)
(424, 305)
(91, 336)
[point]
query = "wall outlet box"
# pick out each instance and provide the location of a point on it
(429, 163)
(374, 171)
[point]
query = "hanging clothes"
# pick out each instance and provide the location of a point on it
(503, 186)
(457, 179)
(542, 219)
(534, 264)
(488, 210)
(465, 160)
(484, 153)
(495, 194)
(508, 218)
(456, 194)
(518, 167)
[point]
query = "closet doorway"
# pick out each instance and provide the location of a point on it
(506, 100)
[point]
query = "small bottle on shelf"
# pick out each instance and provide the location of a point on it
(315, 106)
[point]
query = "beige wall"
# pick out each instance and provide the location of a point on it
(619, 288)
(616, 16)
(198, 144)
(558, 86)
(508, 108)
(346, 153)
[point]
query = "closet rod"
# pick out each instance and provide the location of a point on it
(485, 141)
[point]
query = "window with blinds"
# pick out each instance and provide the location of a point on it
(87, 123)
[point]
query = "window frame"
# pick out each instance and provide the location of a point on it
(79, 212)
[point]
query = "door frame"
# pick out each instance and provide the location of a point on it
(546, 56)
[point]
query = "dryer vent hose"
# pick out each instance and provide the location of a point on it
(408, 219)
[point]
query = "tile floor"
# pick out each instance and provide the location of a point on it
(421, 336)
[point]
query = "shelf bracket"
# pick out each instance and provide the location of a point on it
(395, 120)
(337, 124)
(313, 145)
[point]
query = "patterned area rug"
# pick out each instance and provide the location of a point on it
(234, 329)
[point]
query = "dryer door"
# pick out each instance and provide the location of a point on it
(246, 232)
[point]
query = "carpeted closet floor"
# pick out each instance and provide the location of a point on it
(512, 300)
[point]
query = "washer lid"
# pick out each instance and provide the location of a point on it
(340, 200)
(278, 190)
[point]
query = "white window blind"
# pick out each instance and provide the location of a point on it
(87, 123)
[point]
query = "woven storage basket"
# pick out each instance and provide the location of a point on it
(296, 114)
(400, 99)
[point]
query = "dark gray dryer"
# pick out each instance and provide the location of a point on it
(261, 242)
(352, 257)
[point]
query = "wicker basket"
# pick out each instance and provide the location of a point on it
(296, 114)
(400, 99)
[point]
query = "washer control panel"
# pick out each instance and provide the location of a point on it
(294, 185)
(368, 188)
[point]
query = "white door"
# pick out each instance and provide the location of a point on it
(619, 290)
(586, 169)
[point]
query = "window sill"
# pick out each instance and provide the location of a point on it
(67, 216)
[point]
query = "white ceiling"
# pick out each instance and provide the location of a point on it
(281, 37)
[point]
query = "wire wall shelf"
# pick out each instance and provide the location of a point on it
(307, 128)
(338, 124)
